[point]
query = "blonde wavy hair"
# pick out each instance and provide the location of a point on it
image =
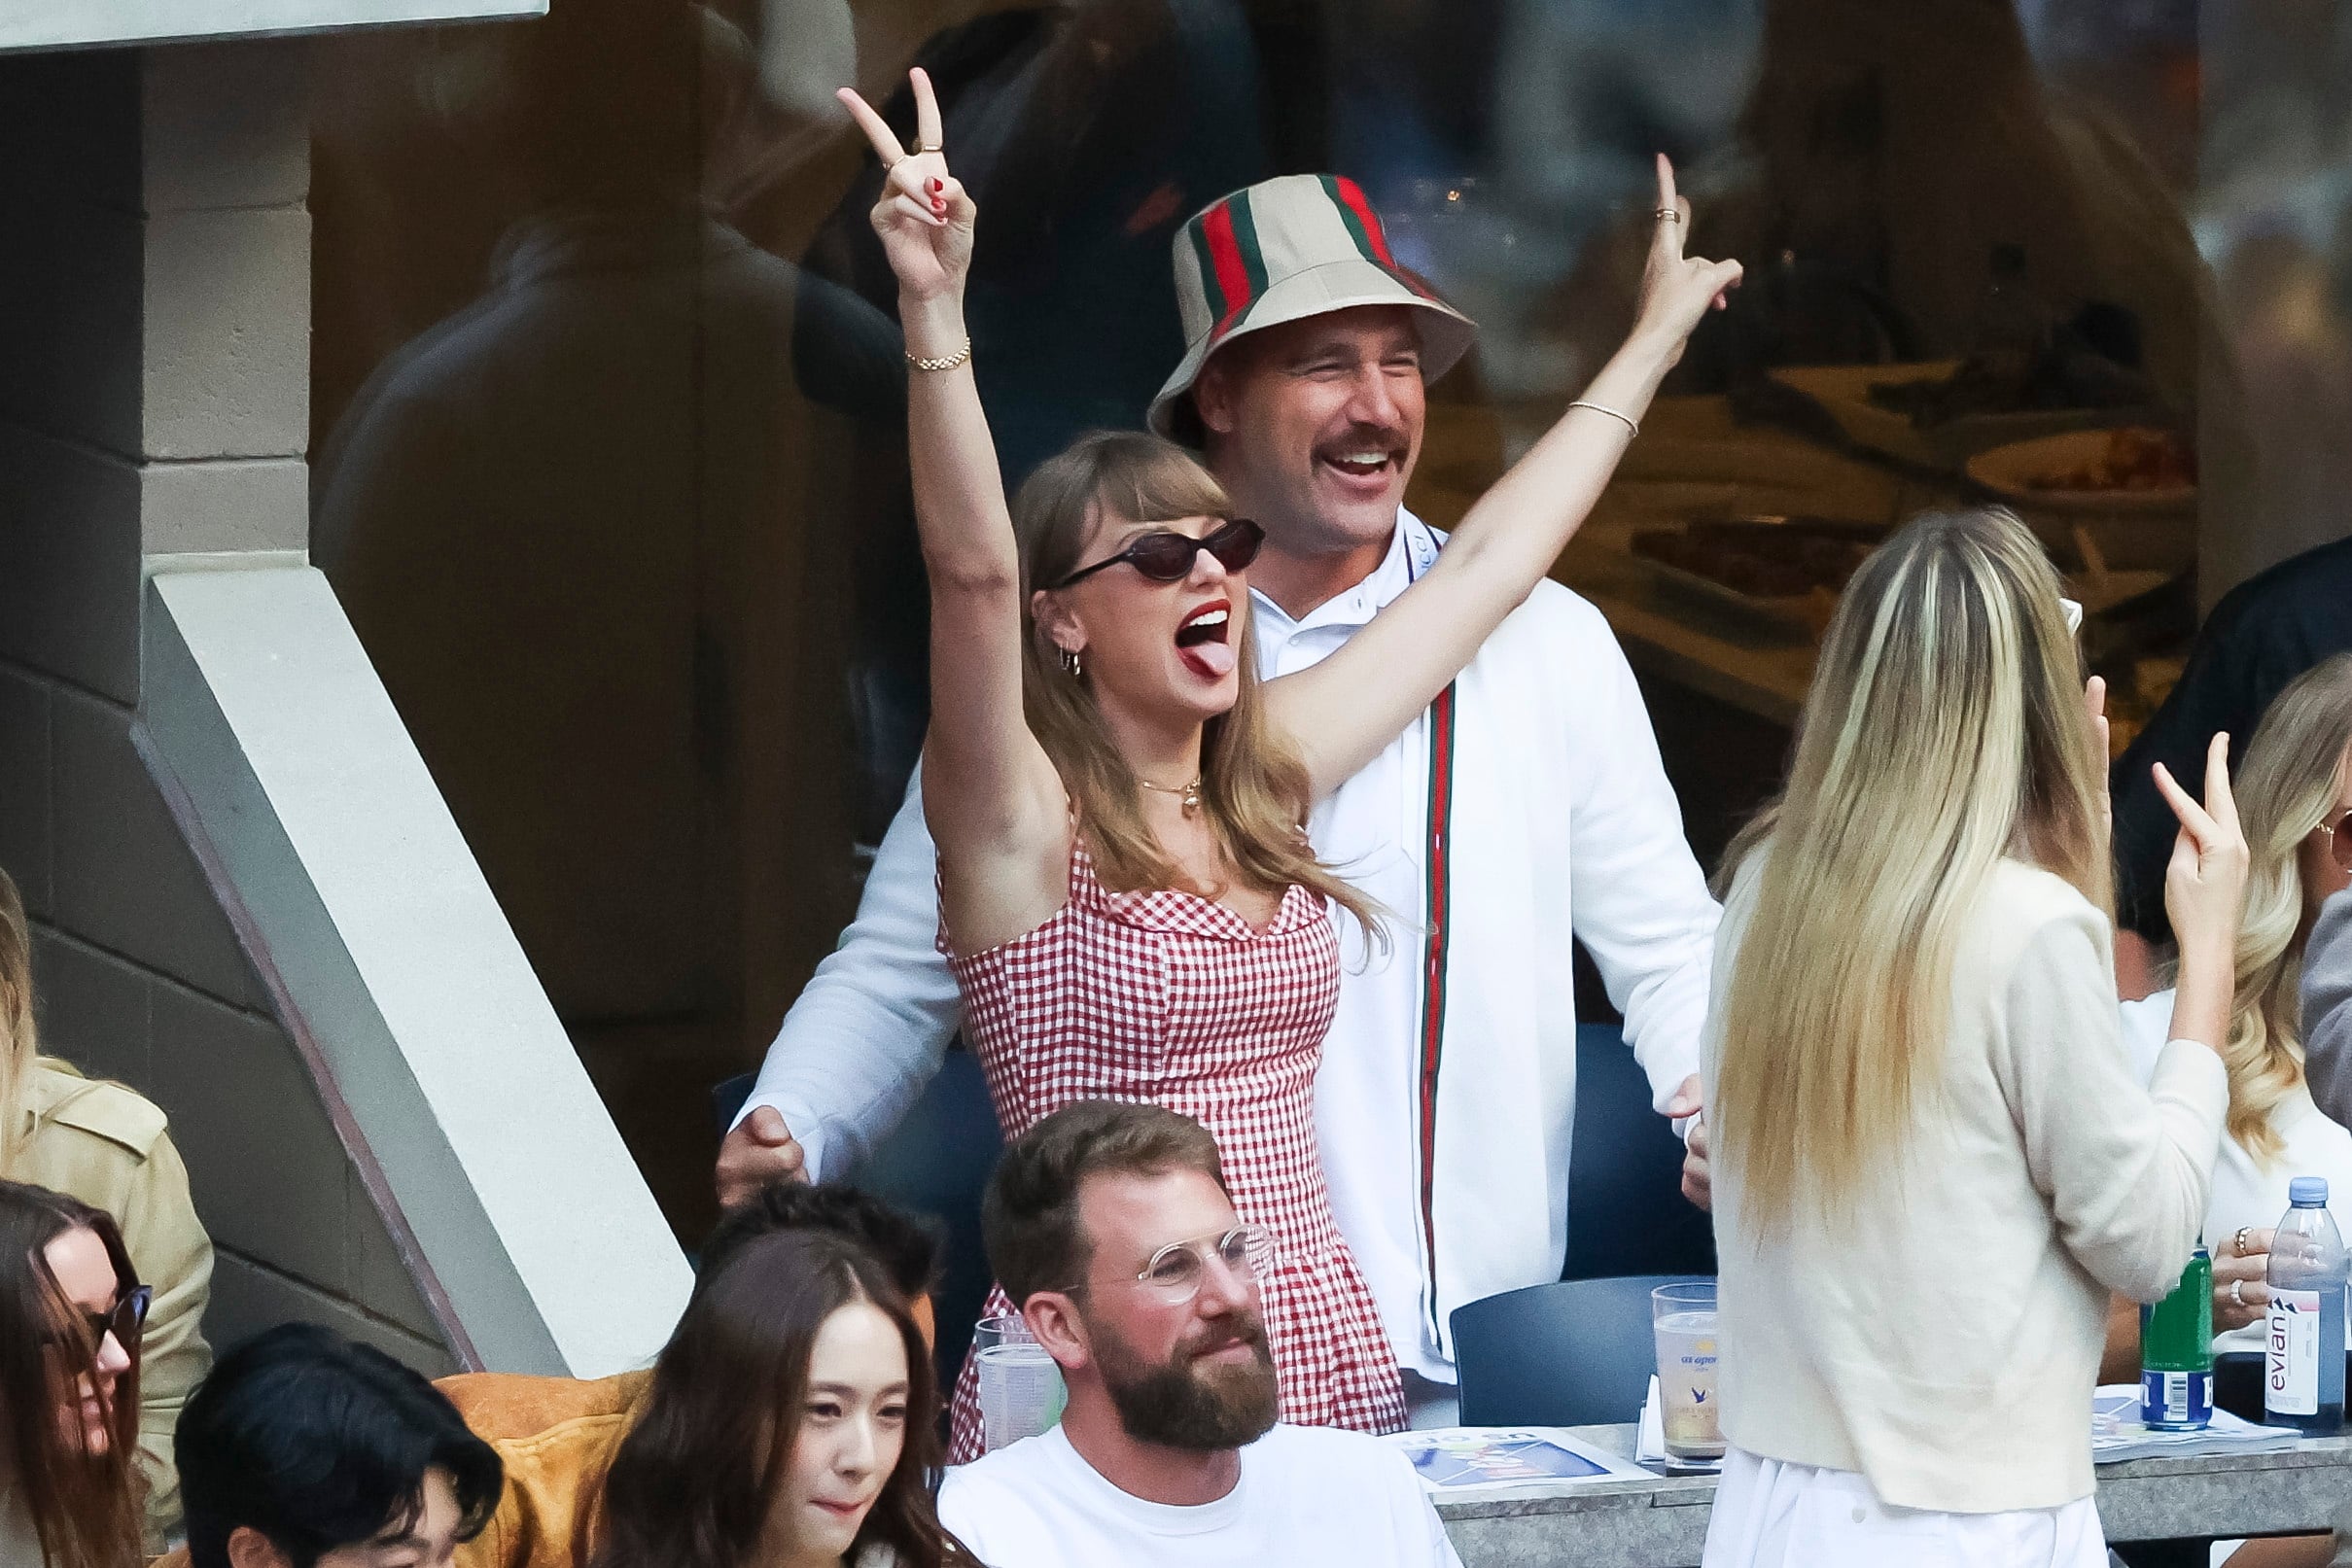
(1253, 787)
(2293, 773)
(1944, 733)
(18, 1045)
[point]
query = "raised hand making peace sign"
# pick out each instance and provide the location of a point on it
(1677, 290)
(925, 217)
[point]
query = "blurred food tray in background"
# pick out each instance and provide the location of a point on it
(1942, 412)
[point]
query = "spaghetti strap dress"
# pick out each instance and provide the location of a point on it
(1164, 996)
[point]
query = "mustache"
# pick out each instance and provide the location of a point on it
(1247, 1330)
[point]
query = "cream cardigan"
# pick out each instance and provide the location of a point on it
(1944, 1343)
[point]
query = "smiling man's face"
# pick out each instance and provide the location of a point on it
(1314, 426)
(1194, 1374)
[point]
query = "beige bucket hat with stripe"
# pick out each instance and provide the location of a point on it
(1283, 250)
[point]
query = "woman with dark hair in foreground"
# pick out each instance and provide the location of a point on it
(70, 1313)
(791, 1424)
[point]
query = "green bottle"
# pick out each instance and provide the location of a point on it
(2176, 1352)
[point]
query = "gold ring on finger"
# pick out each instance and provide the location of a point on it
(926, 147)
(1667, 215)
(2237, 1242)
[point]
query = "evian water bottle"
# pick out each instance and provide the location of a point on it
(2303, 1353)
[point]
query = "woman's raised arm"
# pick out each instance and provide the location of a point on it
(1342, 712)
(991, 795)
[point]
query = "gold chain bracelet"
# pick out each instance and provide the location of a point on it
(948, 363)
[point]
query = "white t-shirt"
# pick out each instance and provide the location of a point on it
(1307, 1495)
(2246, 1192)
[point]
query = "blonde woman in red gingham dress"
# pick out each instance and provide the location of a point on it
(1196, 1011)
(1097, 723)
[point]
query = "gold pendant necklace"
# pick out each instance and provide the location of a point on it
(1189, 797)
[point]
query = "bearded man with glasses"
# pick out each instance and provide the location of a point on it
(1108, 1224)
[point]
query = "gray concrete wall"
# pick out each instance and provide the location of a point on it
(155, 324)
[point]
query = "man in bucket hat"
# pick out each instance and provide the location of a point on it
(1446, 1090)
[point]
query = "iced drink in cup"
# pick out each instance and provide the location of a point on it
(1020, 1387)
(1684, 1317)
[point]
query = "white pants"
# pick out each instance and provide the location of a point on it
(1772, 1515)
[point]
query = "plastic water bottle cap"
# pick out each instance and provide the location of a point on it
(2308, 1192)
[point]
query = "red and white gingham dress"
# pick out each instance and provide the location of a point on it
(1169, 997)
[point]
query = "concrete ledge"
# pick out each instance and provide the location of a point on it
(32, 24)
(504, 1186)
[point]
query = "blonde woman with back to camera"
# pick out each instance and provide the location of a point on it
(1935, 1158)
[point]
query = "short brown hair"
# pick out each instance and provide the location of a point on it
(1030, 1215)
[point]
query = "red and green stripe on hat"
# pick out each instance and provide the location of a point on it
(1312, 221)
(1286, 249)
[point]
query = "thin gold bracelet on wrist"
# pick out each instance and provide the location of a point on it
(948, 363)
(1627, 420)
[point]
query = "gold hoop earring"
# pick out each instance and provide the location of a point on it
(1069, 662)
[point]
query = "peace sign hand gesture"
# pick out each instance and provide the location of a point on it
(1677, 290)
(2206, 882)
(925, 217)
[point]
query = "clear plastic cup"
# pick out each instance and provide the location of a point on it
(1020, 1387)
(1683, 1317)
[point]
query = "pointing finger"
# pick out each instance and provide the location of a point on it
(877, 129)
(1668, 201)
(927, 131)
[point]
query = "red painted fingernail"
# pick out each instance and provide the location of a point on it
(938, 185)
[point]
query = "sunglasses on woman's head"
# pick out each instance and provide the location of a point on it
(1165, 555)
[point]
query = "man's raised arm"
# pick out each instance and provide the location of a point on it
(865, 1036)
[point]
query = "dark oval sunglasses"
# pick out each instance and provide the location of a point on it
(126, 1322)
(1165, 555)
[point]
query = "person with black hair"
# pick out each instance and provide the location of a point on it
(303, 1450)
(907, 1251)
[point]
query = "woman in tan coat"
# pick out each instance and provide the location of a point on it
(108, 1146)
